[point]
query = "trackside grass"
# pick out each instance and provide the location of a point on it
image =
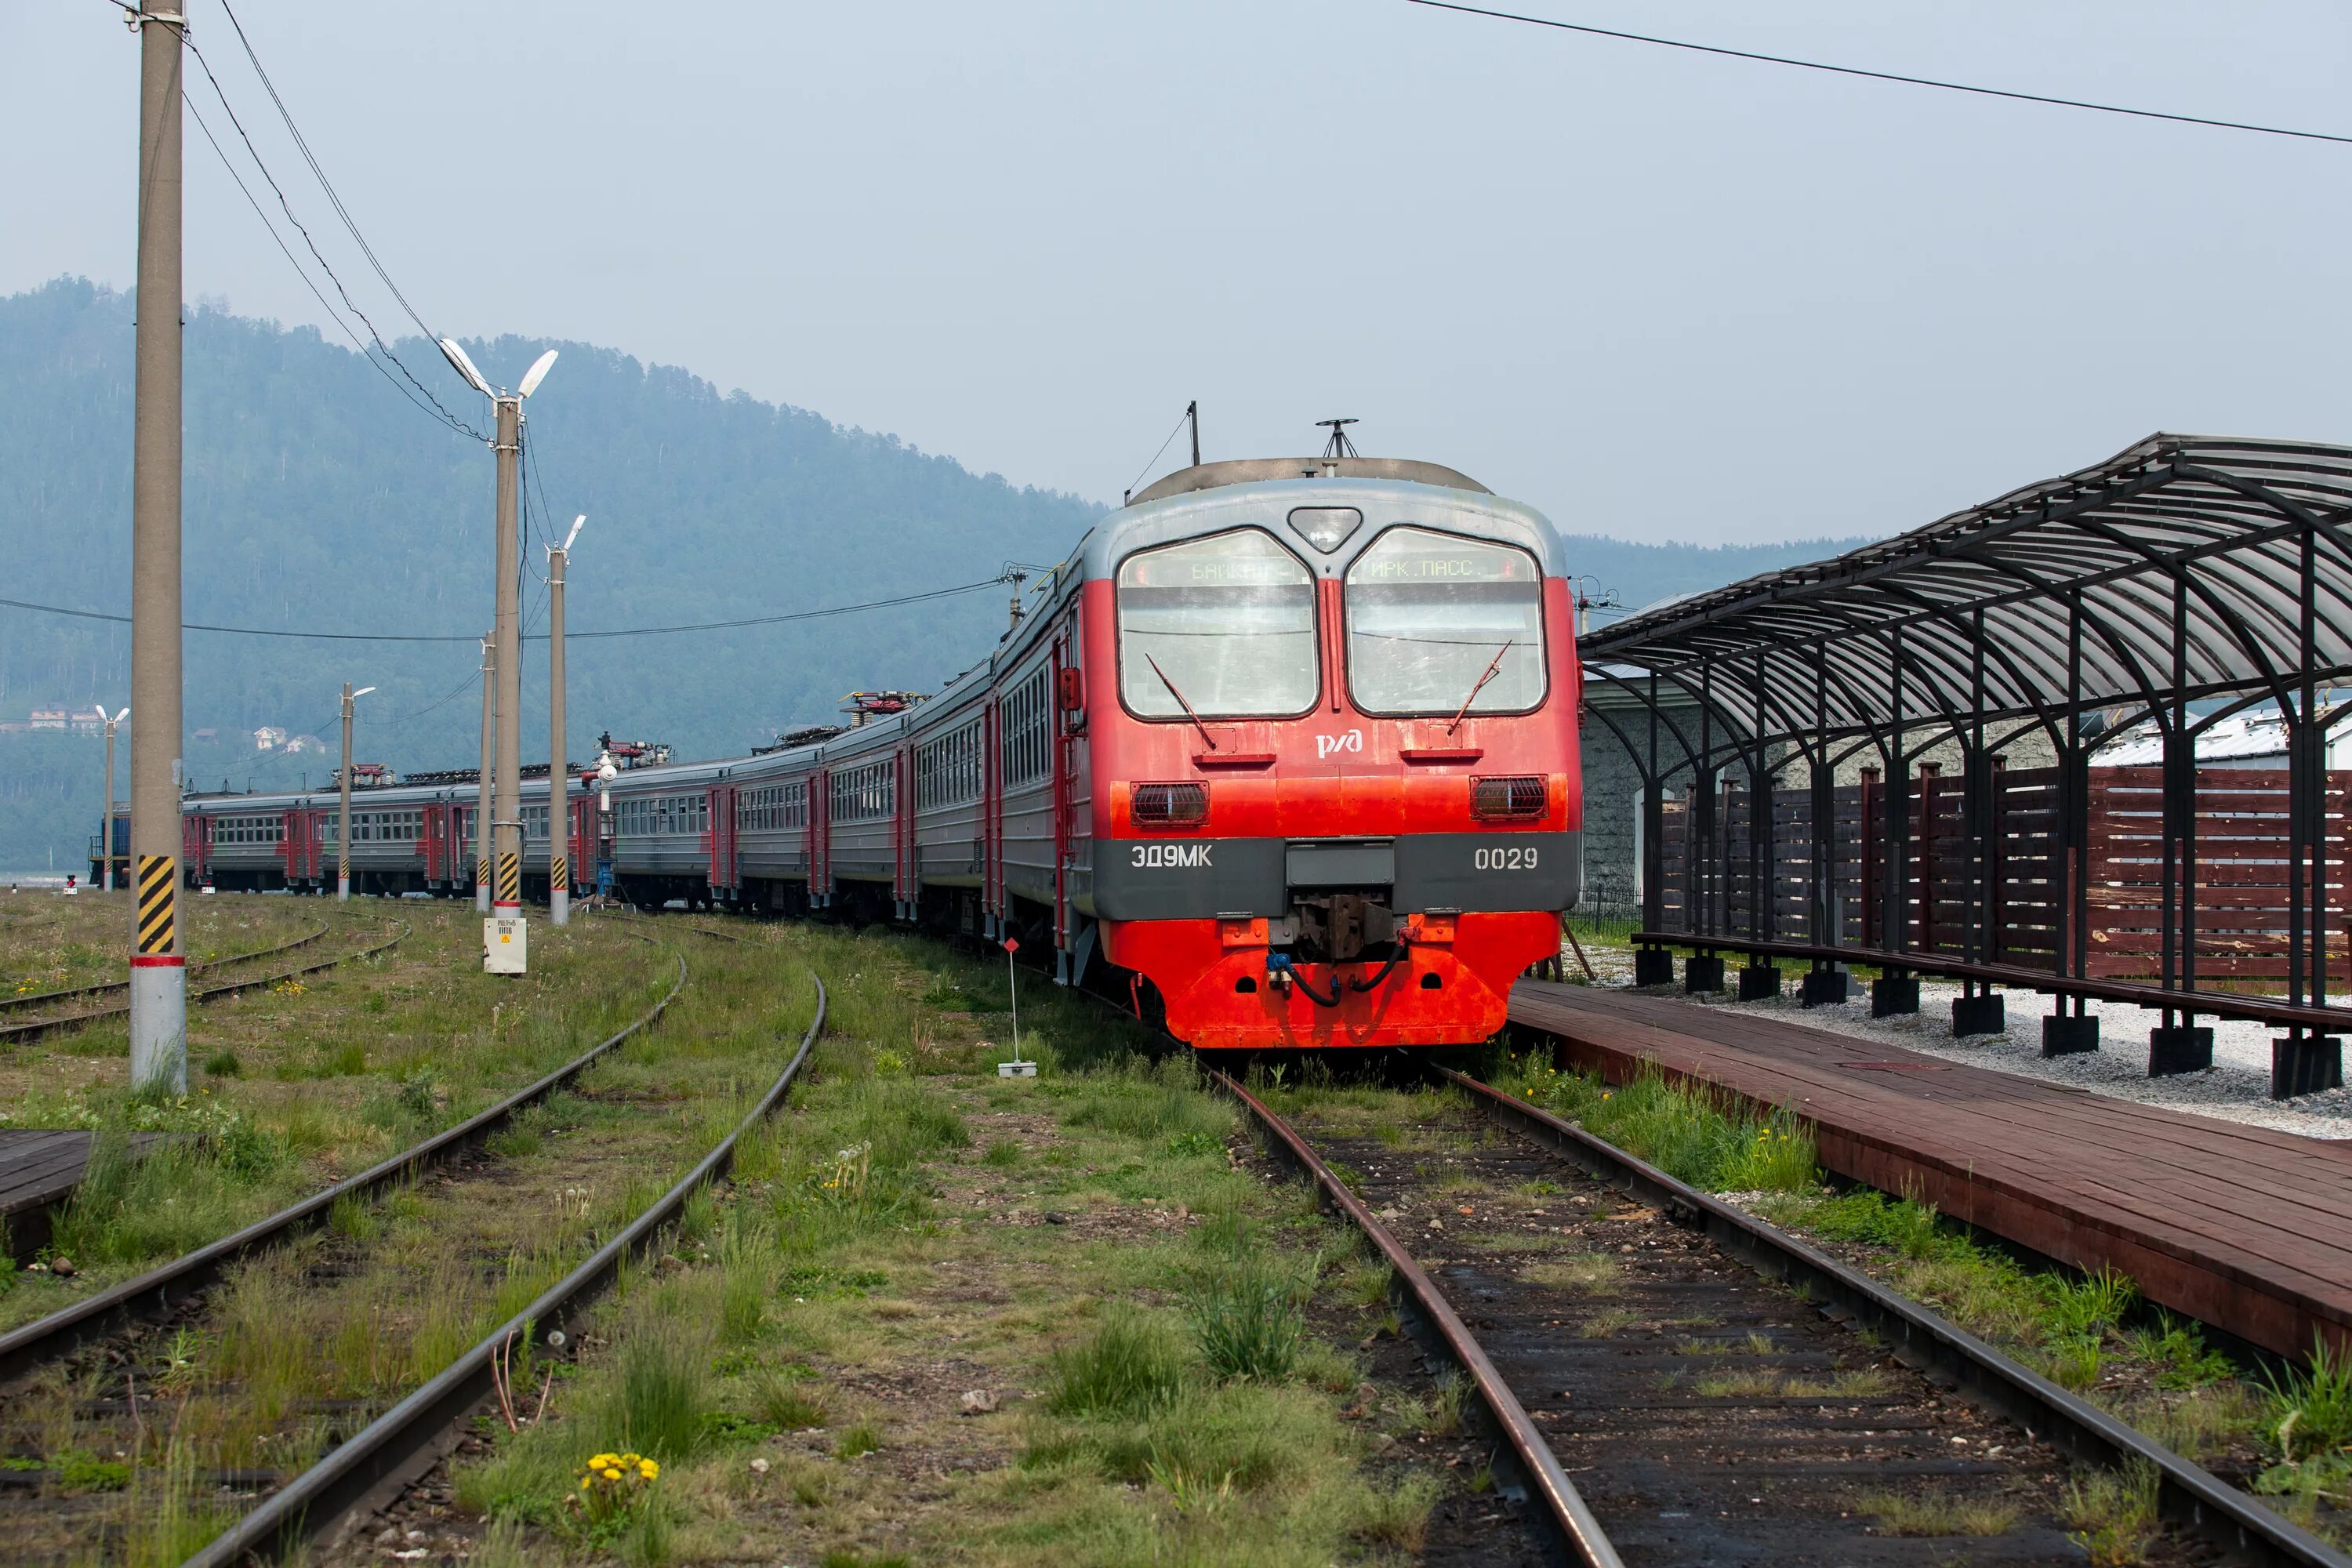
(295, 1087)
(945, 1317)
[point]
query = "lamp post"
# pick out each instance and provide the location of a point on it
(106, 817)
(344, 818)
(558, 775)
(504, 949)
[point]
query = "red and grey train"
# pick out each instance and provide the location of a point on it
(1287, 750)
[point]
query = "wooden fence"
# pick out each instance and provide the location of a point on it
(2237, 917)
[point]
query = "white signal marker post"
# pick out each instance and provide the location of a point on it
(559, 777)
(159, 976)
(344, 818)
(1016, 1067)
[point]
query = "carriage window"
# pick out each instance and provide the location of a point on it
(1229, 621)
(1436, 622)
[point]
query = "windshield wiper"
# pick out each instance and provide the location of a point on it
(1170, 685)
(1481, 685)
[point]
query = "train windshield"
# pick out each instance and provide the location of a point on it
(1224, 625)
(1439, 625)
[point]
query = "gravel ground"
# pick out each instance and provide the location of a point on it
(2236, 1089)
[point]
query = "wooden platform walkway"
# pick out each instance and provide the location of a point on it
(2242, 1228)
(39, 1169)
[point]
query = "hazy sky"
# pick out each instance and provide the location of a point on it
(1657, 295)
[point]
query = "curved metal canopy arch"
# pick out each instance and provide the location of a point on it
(2229, 519)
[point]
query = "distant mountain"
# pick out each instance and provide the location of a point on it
(318, 498)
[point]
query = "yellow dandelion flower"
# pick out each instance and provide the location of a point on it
(612, 1475)
(586, 1483)
(648, 1468)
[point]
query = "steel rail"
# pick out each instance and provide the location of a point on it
(2188, 1494)
(385, 1456)
(1564, 1508)
(15, 1004)
(40, 1026)
(157, 1291)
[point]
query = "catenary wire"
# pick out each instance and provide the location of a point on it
(279, 191)
(1897, 77)
(1163, 447)
(781, 619)
(326, 184)
(300, 271)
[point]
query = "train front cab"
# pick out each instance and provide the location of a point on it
(1341, 804)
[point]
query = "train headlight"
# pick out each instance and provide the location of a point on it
(1169, 805)
(1518, 797)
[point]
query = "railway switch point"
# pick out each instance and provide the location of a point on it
(1893, 994)
(2179, 1049)
(1983, 1014)
(2069, 1034)
(1701, 971)
(2305, 1064)
(1824, 985)
(1757, 981)
(1654, 966)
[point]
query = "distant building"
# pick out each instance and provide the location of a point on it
(90, 723)
(48, 718)
(305, 743)
(269, 738)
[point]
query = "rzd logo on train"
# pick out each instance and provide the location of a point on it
(1171, 856)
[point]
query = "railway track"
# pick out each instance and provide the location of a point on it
(167, 1289)
(39, 999)
(37, 1028)
(378, 1462)
(1672, 1381)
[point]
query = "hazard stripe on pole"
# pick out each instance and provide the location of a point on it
(158, 883)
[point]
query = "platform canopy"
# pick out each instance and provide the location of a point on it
(2184, 568)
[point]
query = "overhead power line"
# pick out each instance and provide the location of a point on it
(1897, 77)
(438, 410)
(475, 637)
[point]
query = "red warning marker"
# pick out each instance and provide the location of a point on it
(1012, 944)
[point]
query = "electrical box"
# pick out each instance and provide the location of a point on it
(505, 946)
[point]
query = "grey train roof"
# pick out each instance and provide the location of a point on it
(2221, 518)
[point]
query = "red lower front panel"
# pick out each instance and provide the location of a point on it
(1200, 968)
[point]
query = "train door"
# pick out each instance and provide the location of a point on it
(721, 837)
(437, 827)
(1064, 765)
(580, 814)
(196, 839)
(902, 830)
(819, 817)
(992, 813)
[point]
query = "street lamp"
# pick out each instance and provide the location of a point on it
(105, 828)
(504, 937)
(559, 775)
(343, 820)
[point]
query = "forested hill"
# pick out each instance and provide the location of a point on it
(319, 498)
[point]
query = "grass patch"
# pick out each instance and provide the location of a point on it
(1129, 1367)
(1587, 1271)
(1247, 1318)
(1705, 1139)
(1937, 1513)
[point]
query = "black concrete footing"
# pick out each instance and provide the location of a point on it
(1824, 985)
(1893, 994)
(2305, 1065)
(1704, 971)
(1652, 966)
(1982, 1014)
(2182, 1048)
(1758, 981)
(2069, 1034)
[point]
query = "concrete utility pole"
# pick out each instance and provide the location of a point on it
(506, 892)
(559, 777)
(106, 818)
(343, 822)
(159, 976)
(482, 795)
